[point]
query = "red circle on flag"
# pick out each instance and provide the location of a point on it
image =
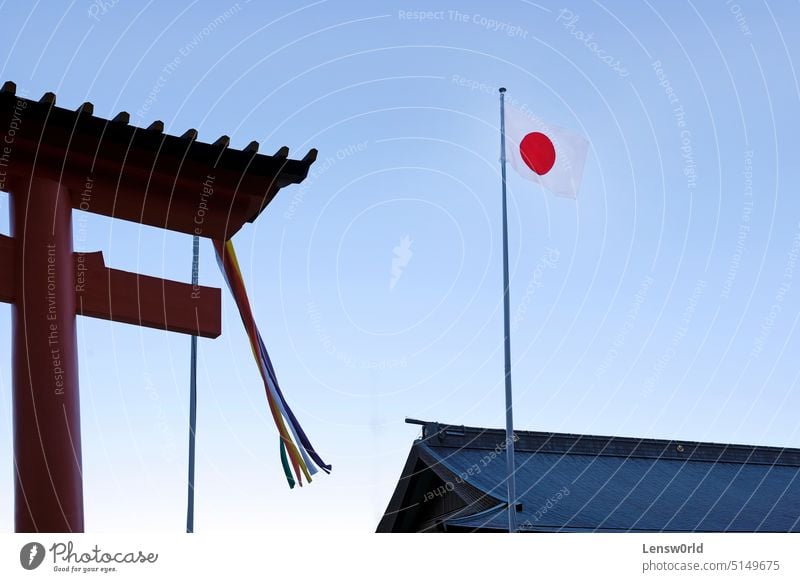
(538, 152)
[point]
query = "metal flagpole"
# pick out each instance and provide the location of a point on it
(512, 494)
(192, 394)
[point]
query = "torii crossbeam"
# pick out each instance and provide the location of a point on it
(51, 161)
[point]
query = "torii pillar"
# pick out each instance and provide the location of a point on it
(46, 409)
(52, 161)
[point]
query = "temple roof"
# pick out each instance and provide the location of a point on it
(569, 482)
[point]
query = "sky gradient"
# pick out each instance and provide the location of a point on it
(664, 302)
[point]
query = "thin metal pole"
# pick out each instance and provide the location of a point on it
(512, 494)
(192, 394)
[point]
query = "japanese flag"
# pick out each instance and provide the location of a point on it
(544, 153)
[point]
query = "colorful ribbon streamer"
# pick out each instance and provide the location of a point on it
(294, 457)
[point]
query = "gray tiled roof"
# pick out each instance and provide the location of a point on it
(588, 483)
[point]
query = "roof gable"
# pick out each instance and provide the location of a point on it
(590, 483)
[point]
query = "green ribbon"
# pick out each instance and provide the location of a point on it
(287, 470)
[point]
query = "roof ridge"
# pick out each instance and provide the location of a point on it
(459, 436)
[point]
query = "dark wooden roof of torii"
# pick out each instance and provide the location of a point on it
(141, 174)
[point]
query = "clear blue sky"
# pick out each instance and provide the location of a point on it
(663, 303)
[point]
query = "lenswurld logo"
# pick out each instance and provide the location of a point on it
(31, 555)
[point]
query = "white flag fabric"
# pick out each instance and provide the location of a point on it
(545, 153)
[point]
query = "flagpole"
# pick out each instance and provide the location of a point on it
(512, 494)
(192, 395)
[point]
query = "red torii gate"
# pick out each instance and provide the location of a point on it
(51, 161)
